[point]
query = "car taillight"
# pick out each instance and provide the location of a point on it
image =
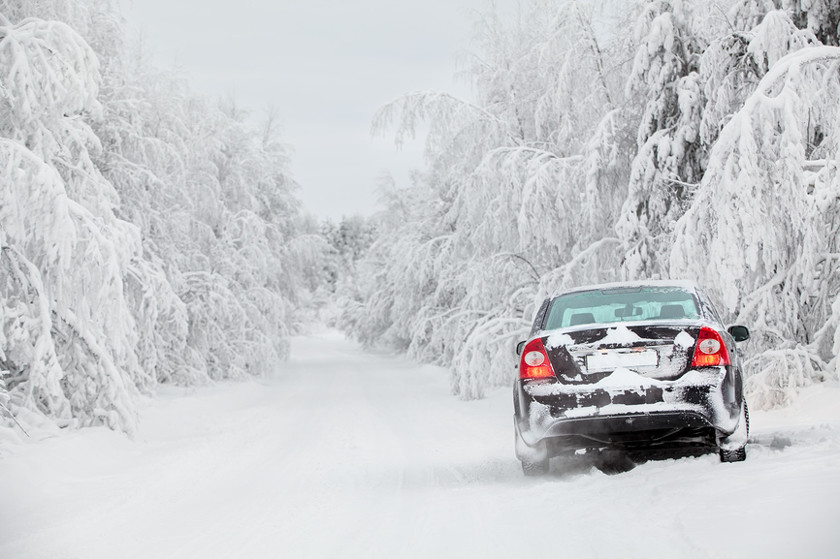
(710, 350)
(534, 363)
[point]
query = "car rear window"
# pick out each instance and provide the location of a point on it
(623, 304)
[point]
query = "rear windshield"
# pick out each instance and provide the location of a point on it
(625, 304)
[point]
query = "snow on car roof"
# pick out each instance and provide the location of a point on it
(683, 284)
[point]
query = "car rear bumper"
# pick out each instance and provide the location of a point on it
(552, 417)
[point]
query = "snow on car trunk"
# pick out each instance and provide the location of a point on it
(346, 454)
(587, 355)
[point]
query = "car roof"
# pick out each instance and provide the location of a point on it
(681, 284)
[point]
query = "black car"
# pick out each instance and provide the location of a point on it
(639, 366)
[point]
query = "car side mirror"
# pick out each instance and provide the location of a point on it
(739, 333)
(519, 347)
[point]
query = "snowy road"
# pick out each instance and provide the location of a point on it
(347, 454)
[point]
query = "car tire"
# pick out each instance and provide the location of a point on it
(532, 469)
(739, 454)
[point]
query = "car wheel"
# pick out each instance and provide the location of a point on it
(739, 453)
(535, 468)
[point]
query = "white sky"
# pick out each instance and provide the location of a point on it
(325, 66)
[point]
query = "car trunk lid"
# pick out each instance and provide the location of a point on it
(657, 351)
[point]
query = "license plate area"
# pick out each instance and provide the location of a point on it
(611, 359)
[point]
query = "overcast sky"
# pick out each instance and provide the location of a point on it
(325, 66)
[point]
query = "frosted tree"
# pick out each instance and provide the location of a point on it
(65, 253)
(349, 240)
(218, 217)
(670, 156)
(693, 68)
(766, 215)
(734, 63)
(503, 198)
(536, 184)
(145, 236)
(820, 17)
(371, 311)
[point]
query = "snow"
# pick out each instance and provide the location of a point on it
(620, 335)
(684, 339)
(623, 377)
(347, 454)
(559, 339)
(675, 283)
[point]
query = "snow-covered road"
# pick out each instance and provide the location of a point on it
(348, 454)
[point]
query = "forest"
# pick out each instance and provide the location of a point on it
(151, 236)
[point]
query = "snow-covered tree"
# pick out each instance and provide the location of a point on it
(70, 336)
(503, 201)
(145, 236)
(671, 156)
(219, 216)
(349, 240)
(820, 17)
(762, 229)
(537, 184)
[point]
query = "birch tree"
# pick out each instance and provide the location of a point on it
(64, 251)
(502, 199)
(145, 236)
(536, 185)
(670, 156)
(766, 215)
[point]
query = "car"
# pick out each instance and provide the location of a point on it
(629, 367)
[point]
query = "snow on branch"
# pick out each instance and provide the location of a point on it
(769, 232)
(144, 236)
(718, 163)
(438, 108)
(47, 71)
